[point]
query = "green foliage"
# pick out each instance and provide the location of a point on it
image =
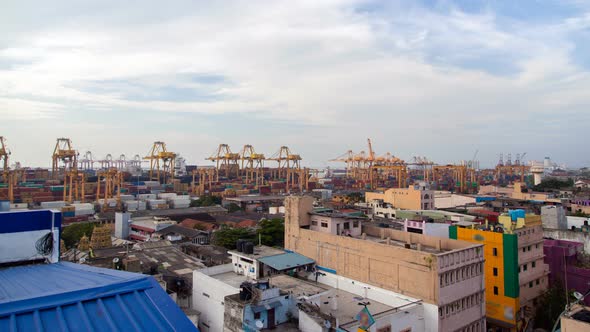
(356, 197)
(227, 237)
(550, 306)
(552, 183)
(272, 232)
(233, 207)
(73, 233)
(579, 213)
(207, 200)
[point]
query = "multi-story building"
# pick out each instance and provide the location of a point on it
(414, 197)
(515, 273)
(446, 275)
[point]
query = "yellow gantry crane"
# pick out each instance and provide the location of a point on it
(226, 161)
(205, 179)
(161, 163)
(252, 165)
(4, 156)
(64, 153)
(113, 180)
(289, 166)
(74, 183)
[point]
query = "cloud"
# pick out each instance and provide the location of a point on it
(337, 71)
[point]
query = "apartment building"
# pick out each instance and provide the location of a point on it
(414, 197)
(515, 274)
(446, 275)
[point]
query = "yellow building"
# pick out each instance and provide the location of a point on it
(411, 198)
(515, 274)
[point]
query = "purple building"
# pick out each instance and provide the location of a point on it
(562, 258)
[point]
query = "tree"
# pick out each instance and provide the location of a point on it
(227, 237)
(551, 305)
(73, 233)
(207, 200)
(355, 197)
(272, 232)
(233, 207)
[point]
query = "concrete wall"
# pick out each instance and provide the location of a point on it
(448, 200)
(308, 324)
(244, 265)
(410, 198)
(394, 268)
(553, 216)
(208, 297)
(335, 224)
(569, 236)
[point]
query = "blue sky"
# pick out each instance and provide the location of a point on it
(431, 78)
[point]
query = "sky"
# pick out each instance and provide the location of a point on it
(441, 79)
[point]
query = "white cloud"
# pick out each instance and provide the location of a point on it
(353, 73)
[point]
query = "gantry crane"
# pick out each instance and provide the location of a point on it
(4, 156)
(507, 168)
(425, 166)
(64, 153)
(205, 180)
(380, 172)
(225, 161)
(252, 165)
(461, 175)
(107, 162)
(87, 161)
(346, 158)
(74, 183)
(121, 163)
(289, 165)
(113, 180)
(161, 163)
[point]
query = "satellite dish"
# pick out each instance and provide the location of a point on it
(116, 260)
(82, 260)
(327, 324)
(578, 295)
(259, 324)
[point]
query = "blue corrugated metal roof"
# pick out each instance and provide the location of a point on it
(72, 297)
(286, 261)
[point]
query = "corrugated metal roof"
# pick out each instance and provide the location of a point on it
(71, 297)
(286, 261)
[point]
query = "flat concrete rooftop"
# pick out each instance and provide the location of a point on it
(231, 278)
(259, 252)
(413, 246)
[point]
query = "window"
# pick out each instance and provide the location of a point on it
(325, 224)
(355, 224)
(314, 223)
(495, 251)
(538, 281)
(531, 284)
(534, 264)
(495, 290)
(529, 249)
(523, 249)
(257, 315)
(524, 267)
(346, 225)
(495, 272)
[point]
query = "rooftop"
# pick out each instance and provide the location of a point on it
(259, 252)
(286, 261)
(66, 296)
(296, 286)
(248, 198)
(231, 278)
